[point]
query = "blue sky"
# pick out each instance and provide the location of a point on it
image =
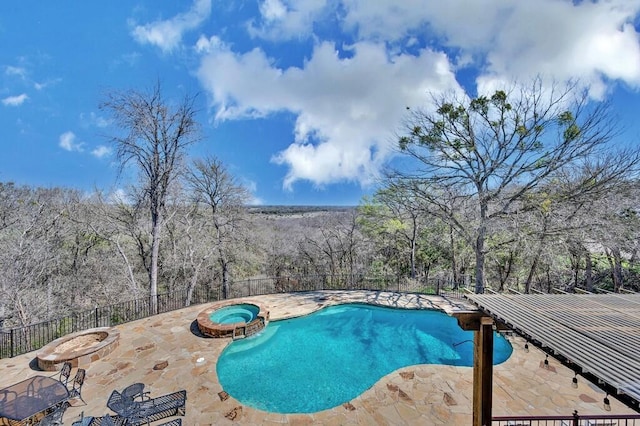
(300, 99)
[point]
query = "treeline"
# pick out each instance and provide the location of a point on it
(62, 250)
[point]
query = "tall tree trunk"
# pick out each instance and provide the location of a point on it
(225, 278)
(532, 271)
(153, 271)
(588, 271)
(615, 262)
(575, 260)
(536, 258)
(479, 248)
(192, 285)
(413, 248)
(454, 265)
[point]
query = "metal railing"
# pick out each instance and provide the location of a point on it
(573, 420)
(19, 340)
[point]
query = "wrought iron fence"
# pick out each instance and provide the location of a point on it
(19, 340)
(573, 420)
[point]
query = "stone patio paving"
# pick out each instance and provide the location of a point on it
(166, 353)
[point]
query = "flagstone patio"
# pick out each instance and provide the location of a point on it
(166, 353)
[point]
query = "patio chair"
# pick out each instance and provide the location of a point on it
(54, 418)
(174, 422)
(149, 410)
(106, 420)
(65, 372)
(78, 381)
(134, 391)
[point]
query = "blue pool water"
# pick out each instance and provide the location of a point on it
(242, 312)
(319, 361)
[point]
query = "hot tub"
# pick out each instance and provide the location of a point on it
(232, 319)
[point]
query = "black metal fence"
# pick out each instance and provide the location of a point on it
(573, 420)
(20, 340)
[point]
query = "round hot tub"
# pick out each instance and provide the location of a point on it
(244, 312)
(232, 319)
(80, 348)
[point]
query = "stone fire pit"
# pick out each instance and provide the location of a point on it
(80, 348)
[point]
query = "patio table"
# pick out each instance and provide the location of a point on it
(20, 402)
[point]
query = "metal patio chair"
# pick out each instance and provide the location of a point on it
(149, 410)
(78, 381)
(54, 418)
(65, 372)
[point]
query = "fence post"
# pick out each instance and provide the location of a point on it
(97, 321)
(12, 342)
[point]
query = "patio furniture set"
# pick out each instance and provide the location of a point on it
(40, 400)
(43, 400)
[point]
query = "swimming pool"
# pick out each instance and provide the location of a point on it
(319, 361)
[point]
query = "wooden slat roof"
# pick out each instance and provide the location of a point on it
(599, 333)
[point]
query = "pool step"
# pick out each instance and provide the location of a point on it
(247, 330)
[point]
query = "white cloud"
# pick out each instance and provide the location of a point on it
(594, 41)
(286, 19)
(47, 83)
(19, 71)
(119, 196)
(252, 187)
(206, 45)
(15, 100)
(101, 151)
(68, 142)
(167, 35)
(93, 119)
(273, 10)
(346, 108)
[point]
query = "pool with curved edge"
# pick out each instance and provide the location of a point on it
(319, 361)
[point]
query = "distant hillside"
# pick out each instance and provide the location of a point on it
(290, 210)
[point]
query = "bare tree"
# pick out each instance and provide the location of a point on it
(225, 199)
(495, 150)
(155, 138)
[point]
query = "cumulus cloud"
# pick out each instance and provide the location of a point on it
(347, 104)
(594, 41)
(167, 34)
(68, 142)
(15, 100)
(101, 151)
(287, 19)
(346, 108)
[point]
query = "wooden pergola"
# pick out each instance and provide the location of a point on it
(598, 335)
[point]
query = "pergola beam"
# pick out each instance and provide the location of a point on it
(482, 327)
